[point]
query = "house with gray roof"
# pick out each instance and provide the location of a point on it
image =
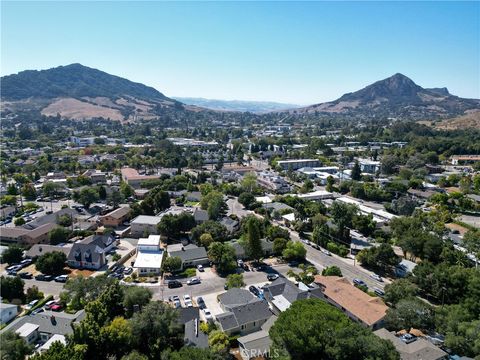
(193, 336)
(256, 344)
(413, 350)
(281, 293)
(90, 253)
(235, 297)
(245, 319)
(200, 215)
(191, 255)
(240, 252)
(42, 326)
(230, 224)
(41, 249)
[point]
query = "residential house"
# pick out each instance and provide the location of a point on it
(193, 336)
(149, 256)
(191, 255)
(40, 327)
(245, 318)
(240, 252)
(116, 217)
(7, 312)
(413, 350)
(404, 268)
(41, 249)
(359, 306)
(281, 293)
(235, 297)
(96, 176)
(90, 253)
(257, 344)
(23, 236)
(200, 215)
(144, 224)
(230, 224)
(54, 338)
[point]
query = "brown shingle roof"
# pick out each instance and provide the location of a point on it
(366, 308)
(120, 212)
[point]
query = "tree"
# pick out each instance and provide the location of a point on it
(19, 221)
(313, 329)
(382, 257)
(306, 276)
(12, 255)
(218, 341)
(356, 172)
(135, 296)
(59, 351)
(235, 281)
(191, 353)
(58, 235)
(294, 251)
(102, 192)
(249, 182)
(223, 256)
(29, 192)
(86, 196)
(115, 198)
(162, 200)
(156, 328)
(33, 294)
(254, 248)
(400, 289)
(51, 263)
(172, 264)
(134, 355)
(51, 189)
(214, 203)
(116, 337)
(409, 313)
(279, 245)
(81, 290)
(343, 215)
(246, 199)
(173, 226)
(206, 239)
(275, 232)
(471, 241)
(12, 288)
(214, 228)
(126, 190)
(330, 183)
(65, 220)
(14, 347)
(332, 271)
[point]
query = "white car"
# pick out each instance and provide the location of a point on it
(31, 304)
(193, 281)
(200, 268)
(208, 315)
(187, 300)
(326, 252)
(376, 277)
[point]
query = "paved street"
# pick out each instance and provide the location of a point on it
(349, 270)
(234, 207)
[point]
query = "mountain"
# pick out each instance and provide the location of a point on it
(236, 105)
(397, 97)
(79, 92)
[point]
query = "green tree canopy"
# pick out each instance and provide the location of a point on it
(51, 263)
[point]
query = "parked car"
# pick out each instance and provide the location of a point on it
(43, 277)
(254, 290)
(187, 300)
(240, 263)
(177, 304)
(31, 304)
(208, 315)
(193, 281)
(26, 262)
(359, 282)
(174, 284)
(25, 275)
(408, 338)
(200, 268)
(61, 278)
(201, 303)
(272, 277)
(49, 304)
(326, 252)
(128, 270)
(56, 307)
(175, 298)
(38, 311)
(379, 292)
(376, 277)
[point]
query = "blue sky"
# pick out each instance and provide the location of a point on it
(299, 52)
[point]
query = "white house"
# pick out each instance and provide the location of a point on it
(7, 312)
(149, 256)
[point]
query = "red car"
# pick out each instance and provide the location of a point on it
(56, 307)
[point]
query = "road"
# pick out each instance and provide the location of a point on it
(349, 270)
(212, 283)
(234, 207)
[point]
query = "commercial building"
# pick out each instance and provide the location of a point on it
(23, 236)
(134, 179)
(273, 182)
(116, 217)
(295, 164)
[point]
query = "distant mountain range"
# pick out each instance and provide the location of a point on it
(399, 97)
(236, 105)
(79, 92)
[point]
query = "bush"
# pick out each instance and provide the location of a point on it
(33, 293)
(332, 271)
(338, 249)
(19, 221)
(116, 257)
(190, 272)
(12, 255)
